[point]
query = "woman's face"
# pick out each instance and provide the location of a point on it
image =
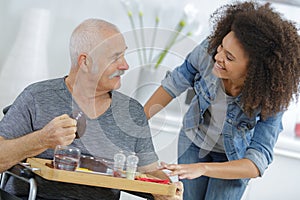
(231, 60)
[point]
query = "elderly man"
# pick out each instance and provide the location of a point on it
(39, 119)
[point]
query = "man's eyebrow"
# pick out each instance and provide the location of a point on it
(117, 54)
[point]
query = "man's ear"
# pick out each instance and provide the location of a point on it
(85, 62)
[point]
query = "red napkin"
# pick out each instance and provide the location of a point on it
(154, 180)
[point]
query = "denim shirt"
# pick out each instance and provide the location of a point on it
(244, 137)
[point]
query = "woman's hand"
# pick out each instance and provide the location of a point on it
(235, 169)
(185, 171)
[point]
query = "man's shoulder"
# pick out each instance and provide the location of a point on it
(45, 85)
(120, 97)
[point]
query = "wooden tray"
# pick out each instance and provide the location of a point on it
(98, 179)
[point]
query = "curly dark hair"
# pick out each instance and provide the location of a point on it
(273, 46)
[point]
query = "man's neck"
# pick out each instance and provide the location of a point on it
(93, 103)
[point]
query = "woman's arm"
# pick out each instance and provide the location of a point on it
(157, 101)
(236, 169)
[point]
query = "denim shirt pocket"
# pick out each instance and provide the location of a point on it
(242, 130)
(245, 128)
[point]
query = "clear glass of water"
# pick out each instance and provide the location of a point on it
(66, 158)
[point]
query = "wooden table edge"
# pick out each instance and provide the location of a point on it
(98, 180)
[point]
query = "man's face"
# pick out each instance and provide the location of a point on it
(109, 62)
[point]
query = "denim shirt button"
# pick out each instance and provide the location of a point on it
(229, 121)
(230, 115)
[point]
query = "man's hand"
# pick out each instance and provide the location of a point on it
(60, 131)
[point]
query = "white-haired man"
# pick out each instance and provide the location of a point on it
(39, 119)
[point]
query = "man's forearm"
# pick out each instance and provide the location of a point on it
(16, 150)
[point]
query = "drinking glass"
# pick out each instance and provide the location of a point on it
(66, 158)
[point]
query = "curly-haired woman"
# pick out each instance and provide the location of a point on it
(244, 76)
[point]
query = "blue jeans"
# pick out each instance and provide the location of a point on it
(206, 188)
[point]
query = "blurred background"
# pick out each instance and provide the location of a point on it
(34, 46)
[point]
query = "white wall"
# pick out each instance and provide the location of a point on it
(62, 19)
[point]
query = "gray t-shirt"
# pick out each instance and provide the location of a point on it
(208, 136)
(122, 127)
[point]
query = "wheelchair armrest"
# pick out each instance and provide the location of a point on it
(24, 173)
(21, 170)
